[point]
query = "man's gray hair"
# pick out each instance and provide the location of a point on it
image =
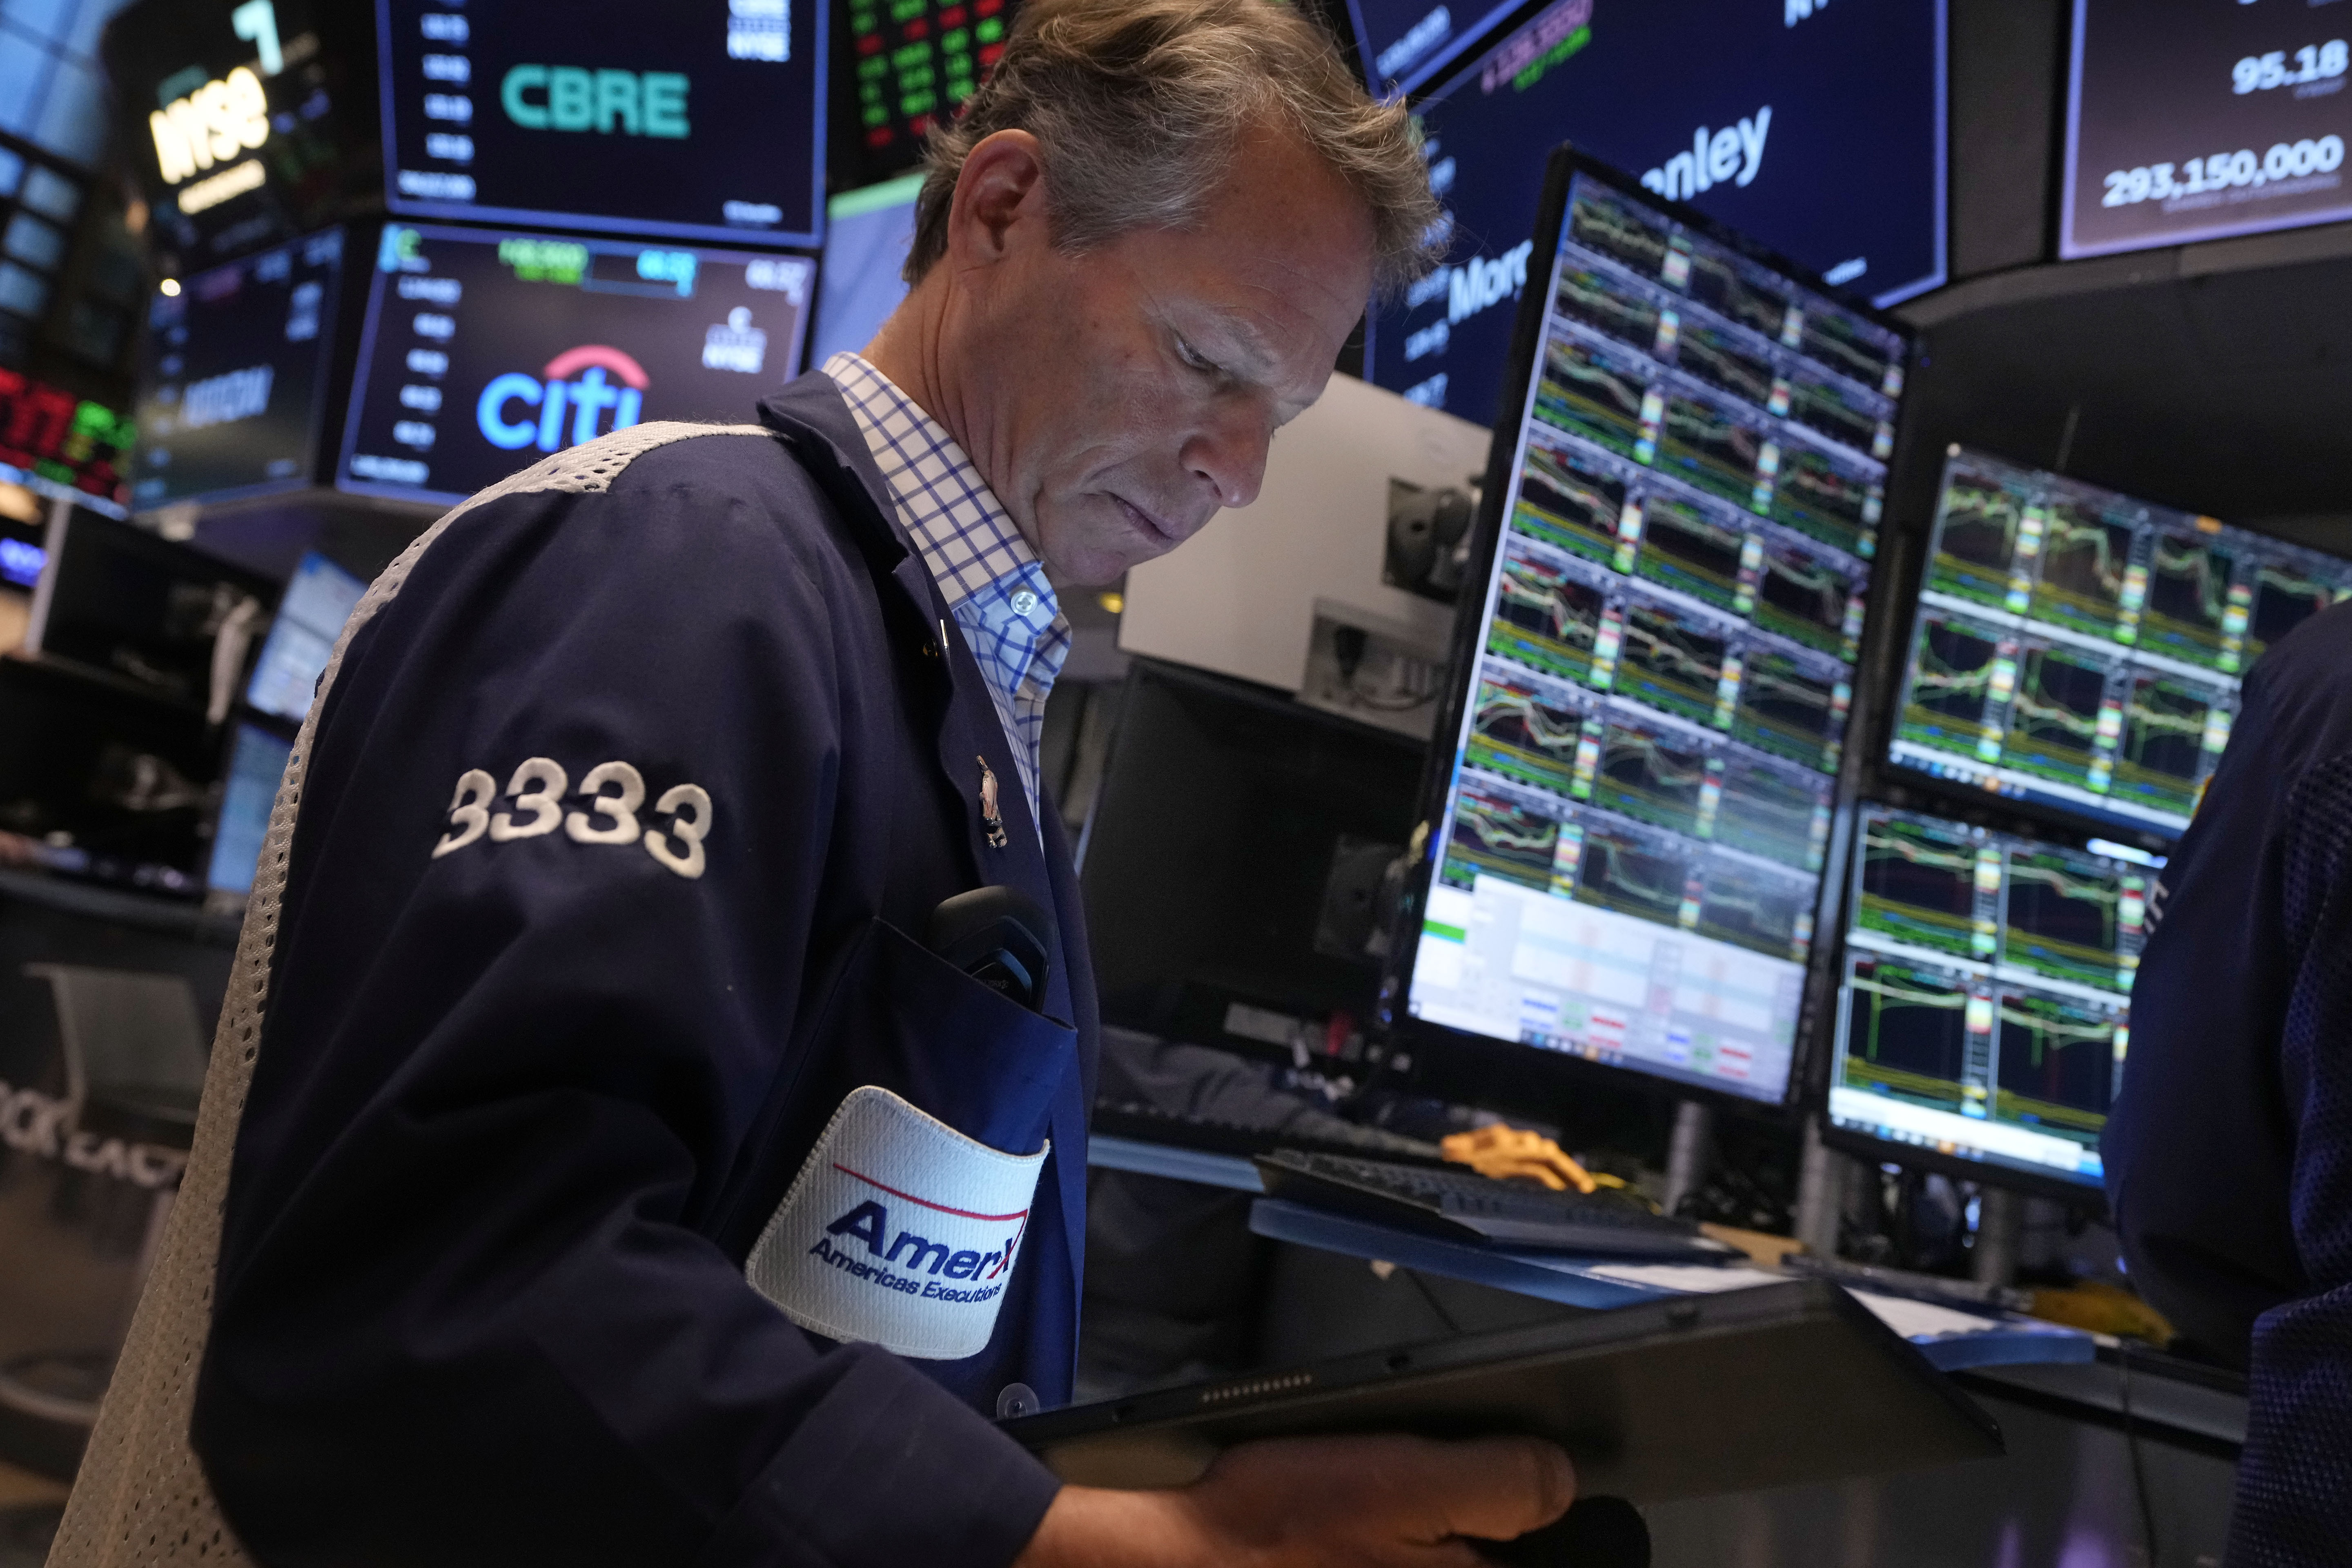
(1139, 107)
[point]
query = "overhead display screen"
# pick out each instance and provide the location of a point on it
(1818, 135)
(235, 374)
(702, 119)
(903, 65)
(248, 121)
(1406, 42)
(2081, 650)
(1985, 1009)
(2193, 120)
(484, 351)
(1639, 806)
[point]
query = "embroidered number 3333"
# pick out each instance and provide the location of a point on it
(609, 796)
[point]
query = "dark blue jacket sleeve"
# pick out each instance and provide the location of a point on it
(467, 1312)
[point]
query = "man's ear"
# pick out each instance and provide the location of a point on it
(1000, 193)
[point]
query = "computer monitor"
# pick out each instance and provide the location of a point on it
(2080, 652)
(1406, 42)
(484, 351)
(692, 120)
(1984, 1005)
(1232, 863)
(1817, 129)
(1630, 832)
(319, 599)
(859, 281)
(235, 383)
(256, 762)
(138, 610)
(899, 66)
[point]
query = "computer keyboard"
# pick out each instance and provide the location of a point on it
(1462, 1206)
(1322, 1134)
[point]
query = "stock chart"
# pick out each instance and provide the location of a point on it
(2082, 650)
(1986, 993)
(1658, 713)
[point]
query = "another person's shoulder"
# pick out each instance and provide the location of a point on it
(2304, 684)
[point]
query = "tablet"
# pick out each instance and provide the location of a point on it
(1784, 1385)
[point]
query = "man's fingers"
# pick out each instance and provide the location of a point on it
(1498, 1487)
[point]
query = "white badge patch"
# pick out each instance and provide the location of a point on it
(900, 1231)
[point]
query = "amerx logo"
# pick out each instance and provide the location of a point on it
(927, 1262)
(503, 409)
(899, 1231)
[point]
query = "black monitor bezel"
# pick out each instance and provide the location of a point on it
(1508, 1075)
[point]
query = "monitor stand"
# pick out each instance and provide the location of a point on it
(1690, 1153)
(2001, 1231)
(1823, 1182)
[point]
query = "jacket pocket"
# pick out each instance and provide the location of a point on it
(902, 1019)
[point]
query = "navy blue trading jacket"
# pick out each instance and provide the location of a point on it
(520, 1111)
(2229, 1156)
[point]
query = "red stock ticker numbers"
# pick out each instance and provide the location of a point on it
(918, 59)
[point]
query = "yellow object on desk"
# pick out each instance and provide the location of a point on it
(1503, 1151)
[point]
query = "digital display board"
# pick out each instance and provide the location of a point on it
(2193, 120)
(1819, 134)
(902, 65)
(2081, 650)
(234, 376)
(484, 351)
(248, 121)
(61, 445)
(1676, 558)
(701, 119)
(1406, 42)
(1984, 1009)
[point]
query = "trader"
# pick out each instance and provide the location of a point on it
(2229, 1152)
(597, 1166)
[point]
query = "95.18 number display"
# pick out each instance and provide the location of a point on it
(2188, 120)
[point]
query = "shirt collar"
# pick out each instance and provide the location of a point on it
(962, 531)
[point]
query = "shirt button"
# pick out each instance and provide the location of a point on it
(1024, 602)
(1017, 1399)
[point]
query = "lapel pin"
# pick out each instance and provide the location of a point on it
(991, 818)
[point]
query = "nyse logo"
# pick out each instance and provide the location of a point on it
(1732, 155)
(584, 398)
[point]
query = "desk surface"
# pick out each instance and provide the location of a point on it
(1951, 1338)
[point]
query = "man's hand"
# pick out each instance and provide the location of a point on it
(1318, 1503)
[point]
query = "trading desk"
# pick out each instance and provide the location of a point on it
(1951, 1338)
(2104, 1452)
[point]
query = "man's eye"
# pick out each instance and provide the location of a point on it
(1194, 357)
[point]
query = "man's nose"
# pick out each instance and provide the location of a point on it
(1227, 454)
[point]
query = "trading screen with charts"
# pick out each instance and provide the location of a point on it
(1639, 806)
(1985, 1008)
(2081, 650)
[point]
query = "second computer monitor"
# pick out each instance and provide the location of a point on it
(1985, 1005)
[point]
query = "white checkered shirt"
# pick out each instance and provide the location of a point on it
(994, 584)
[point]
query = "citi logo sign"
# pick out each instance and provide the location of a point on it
(517, 410)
